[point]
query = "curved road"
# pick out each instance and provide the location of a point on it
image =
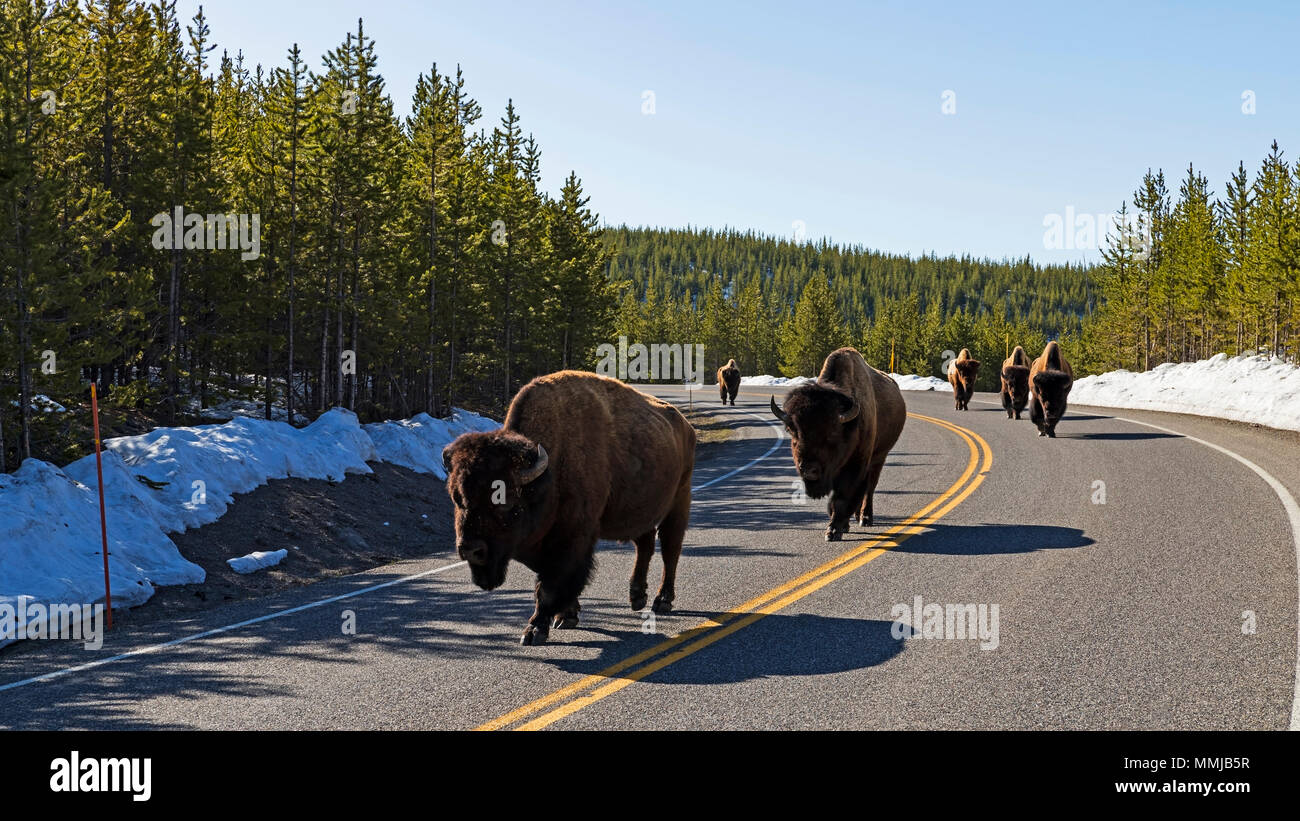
(1132, 613)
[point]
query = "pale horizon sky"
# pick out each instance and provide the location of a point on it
(768, 116)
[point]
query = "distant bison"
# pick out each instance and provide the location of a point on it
(841, 429)
(1051, 377)
(581, 457)
(1015, 383)
(729, 381)
(962, 376)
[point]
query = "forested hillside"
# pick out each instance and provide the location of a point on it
(779, 306)
(181, 227)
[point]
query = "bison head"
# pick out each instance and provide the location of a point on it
(823, 433)
(1017, 379)
(1051, 388)
(503, 493)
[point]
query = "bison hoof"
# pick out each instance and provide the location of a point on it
(833, 535)
(637, 598)
(565, 622)
(534, 635)
(662, 605)
(1042, 433)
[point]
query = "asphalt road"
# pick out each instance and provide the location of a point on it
(1127, 614)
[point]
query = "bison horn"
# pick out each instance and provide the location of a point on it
(850, 414)
(446, 459)
(537, 469)
(780, 414)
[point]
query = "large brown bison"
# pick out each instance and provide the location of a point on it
(961, 374)
(580, 457)
(841, 429)
(729, 381)
(1015, 383)
(1051, 377)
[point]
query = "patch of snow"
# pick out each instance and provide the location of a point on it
(257, 560)
(172, 479)
(912, 382)
(42, 404)
(766, 379)
(417, 443)
(1256, 389)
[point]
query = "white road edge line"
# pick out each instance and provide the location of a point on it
(1292, 512)
(780, 435)
(217, 630)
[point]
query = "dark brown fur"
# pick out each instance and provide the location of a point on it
(618, 466)
(729, 381)
(843, 459)
(1050, 378)
(1015, 383)
(961, 375)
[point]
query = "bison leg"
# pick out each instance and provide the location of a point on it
(722, 390)
(672, 532)
(1036, 415)
(868, 516)
(558, 588)
(645, 549)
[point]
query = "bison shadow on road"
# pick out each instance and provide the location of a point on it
(802, 644)
(992, 539)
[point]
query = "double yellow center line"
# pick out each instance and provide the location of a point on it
(586, 691)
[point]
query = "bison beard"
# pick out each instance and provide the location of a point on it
(961, 375)
(548, 485)
(729, 381)
(1052, 378)
(842, 428)
(1015, 383)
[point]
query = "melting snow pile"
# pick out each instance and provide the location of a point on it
(257, 560)
(1254, 389)
(172, 479)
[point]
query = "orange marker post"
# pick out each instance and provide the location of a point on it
(103, 524)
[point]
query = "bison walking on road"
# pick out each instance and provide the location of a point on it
(961, 374)
(580, 457)
(1015, 383)
(1051, 377)
(729, 381)
(841, 430)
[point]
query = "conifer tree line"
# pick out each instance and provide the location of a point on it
(1197, 273)
(779, 307)
(402, 264)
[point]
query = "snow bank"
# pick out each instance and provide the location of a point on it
(766, 379)
(417, 443)
(912, 382)
(257, 560)
(1253, 389)
(172, 479)
(906, 382)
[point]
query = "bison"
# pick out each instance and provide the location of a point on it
(1015, 383)
(1051, 377)
(580, 457)
(962, 376)
(842, 427)
(729, 381)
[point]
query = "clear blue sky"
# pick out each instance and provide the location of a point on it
(830, 114)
